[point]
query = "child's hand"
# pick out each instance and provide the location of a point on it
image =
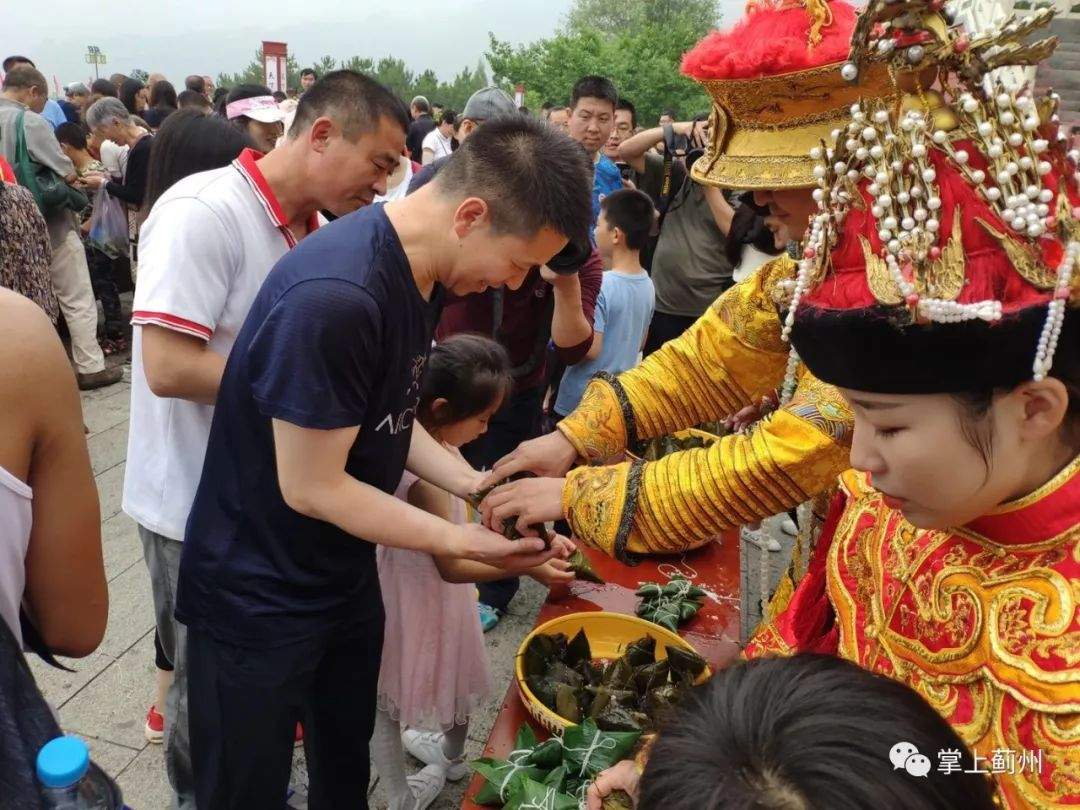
(553, 572)
(562, 546)
(622, 776)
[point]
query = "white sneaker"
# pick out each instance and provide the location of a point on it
(426, 746)
(426, 785)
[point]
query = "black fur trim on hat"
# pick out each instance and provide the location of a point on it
(869, 350)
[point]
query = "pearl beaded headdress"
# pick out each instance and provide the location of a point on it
(888, 158)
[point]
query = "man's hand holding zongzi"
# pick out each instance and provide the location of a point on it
(472, 541)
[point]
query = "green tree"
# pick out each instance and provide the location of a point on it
(615, 17)
(325, 65)
(396, 75)
(360, 64)
(636, 43)
(426, 85)
(480, 75)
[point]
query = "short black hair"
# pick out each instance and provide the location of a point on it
(669, 113)
(278, 96)
(594, 87)
(11, 61)
(810, 731)
(187, 142)
(449, 117)
(309, 72)
(627, 104)
(356, 102)
(632, 212)
(23, 77)
(531, 175)
(192, 99)
(74, 135)
(104, 88)
(471, 372)
(196, 83)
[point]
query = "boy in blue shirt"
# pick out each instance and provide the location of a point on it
(625, 305)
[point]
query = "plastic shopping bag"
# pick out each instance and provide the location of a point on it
(108, 225)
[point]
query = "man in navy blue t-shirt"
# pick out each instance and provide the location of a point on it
(312, 430)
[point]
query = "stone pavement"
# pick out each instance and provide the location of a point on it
(106, 697)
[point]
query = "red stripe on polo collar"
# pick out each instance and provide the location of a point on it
(247, 165)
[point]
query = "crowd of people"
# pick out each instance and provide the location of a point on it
(351, 314)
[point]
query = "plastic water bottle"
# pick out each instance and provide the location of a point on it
(62, 766)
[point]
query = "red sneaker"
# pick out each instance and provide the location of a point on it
(299, 739)
(155, 726)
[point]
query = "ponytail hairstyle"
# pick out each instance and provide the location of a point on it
(470, 373)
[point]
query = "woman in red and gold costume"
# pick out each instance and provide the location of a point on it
(941, 296)
(940, 293)
(778, 93)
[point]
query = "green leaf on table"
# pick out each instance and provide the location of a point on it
(588, 750)
(557, 778)
(583, 569)
(529, 794)
(525, 738)
(500, 775)
(547, 754)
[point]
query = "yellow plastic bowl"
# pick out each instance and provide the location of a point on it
(609, 635)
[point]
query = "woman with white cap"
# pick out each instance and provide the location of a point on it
(252, 109)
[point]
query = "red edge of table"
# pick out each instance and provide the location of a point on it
(714, 632)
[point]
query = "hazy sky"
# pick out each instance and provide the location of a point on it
(178, 38)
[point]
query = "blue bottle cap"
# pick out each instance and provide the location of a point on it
(62, 762)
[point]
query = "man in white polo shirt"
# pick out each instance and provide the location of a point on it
(204, 251)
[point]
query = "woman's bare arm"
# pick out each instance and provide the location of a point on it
(66, 595)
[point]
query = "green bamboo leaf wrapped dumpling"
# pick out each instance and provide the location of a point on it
(583, 569)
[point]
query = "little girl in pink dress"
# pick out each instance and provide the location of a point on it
(434, 665)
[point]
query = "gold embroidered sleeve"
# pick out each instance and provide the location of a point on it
(685, 499)
(729, 358)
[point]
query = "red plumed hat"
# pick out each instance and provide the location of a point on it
(777, 90)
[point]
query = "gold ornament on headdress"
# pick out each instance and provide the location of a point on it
(885, 152)
(818, 11)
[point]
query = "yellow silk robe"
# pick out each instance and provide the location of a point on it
(731, 357)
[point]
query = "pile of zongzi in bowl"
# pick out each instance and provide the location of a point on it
(631, 692)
